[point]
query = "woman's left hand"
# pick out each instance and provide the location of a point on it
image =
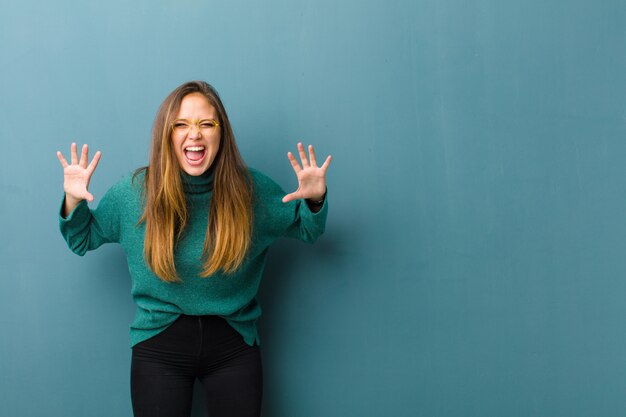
(311, 178)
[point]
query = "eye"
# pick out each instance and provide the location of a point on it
(180, 125)
(207, 124)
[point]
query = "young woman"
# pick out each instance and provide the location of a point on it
(195, 225)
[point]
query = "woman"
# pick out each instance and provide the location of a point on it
(195, 225)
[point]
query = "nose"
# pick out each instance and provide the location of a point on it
(194, 131)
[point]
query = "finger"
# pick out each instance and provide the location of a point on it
(89, 197)
(294, 163)
(64, 163)
(326, 163)
(73, 154)
(303, 158)
(94, 162)
(312, 156)
(84, 156)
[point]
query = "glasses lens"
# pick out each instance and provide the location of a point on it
(181, 127)
(207, 125)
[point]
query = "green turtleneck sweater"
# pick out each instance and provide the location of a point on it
(160, 303)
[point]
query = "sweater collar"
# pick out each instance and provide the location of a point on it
(197, 184)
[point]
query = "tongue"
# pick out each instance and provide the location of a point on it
(194, 155)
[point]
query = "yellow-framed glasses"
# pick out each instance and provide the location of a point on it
(181, 127)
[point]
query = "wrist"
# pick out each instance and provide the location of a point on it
(313, 200)
(316, 203)
(317, 199)
(69, 205)
(71, 200)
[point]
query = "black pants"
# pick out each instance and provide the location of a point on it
(165, 367)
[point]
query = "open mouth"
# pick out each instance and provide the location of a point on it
(195, 154)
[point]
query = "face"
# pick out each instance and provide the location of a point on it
(195, 138)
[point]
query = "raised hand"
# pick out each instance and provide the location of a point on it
(311, 178)
(76, 176)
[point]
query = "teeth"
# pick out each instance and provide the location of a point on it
(194, 148)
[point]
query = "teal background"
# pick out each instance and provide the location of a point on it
(474, 259)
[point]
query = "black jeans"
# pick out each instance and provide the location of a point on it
(165, 367)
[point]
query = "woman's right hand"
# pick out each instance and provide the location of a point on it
(76, 177)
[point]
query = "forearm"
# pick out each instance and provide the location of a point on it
(310, 221)
(84, 229)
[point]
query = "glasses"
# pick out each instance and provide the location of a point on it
(181, 127)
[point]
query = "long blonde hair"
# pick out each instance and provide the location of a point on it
(165, 214)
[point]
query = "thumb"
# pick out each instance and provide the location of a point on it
(89, 197)
(290, 197)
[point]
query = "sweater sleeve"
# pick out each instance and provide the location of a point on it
(85, 229)
(293, 219)
(307, 225)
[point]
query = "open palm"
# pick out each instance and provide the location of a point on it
(77, 174)
(311, 178)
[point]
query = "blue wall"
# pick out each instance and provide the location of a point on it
(474, 259)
